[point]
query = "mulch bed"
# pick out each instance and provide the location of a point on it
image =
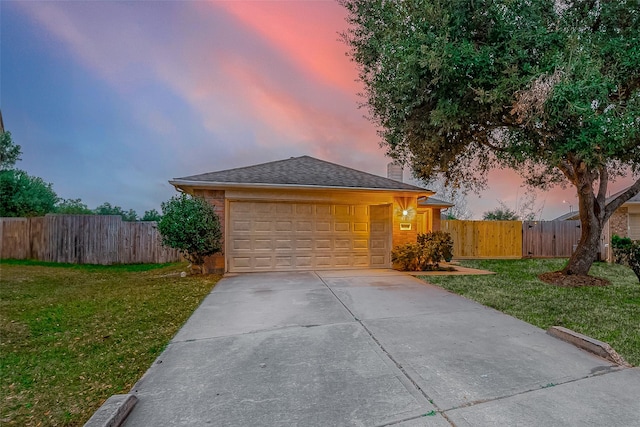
(558, 278)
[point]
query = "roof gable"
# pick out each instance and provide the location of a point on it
(299, 171)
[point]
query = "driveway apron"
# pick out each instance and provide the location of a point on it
(371, 348)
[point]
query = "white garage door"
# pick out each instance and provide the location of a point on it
(634, 226)
(267, 236)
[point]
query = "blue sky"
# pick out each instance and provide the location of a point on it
(110, 100)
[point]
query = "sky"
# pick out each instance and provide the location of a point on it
(110, 100)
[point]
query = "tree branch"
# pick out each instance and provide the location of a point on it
(602, 187)
(622, 197)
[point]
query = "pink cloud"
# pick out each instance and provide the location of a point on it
(305, 31)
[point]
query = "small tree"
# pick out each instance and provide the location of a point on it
(25, 195)
(501, 213)
(152, 215)
(73, 207)
(9, 152)
(107, 209)
(190, 225)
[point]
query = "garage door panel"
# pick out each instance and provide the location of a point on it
(260, 226)
(360, 227)
(342, 226)
(284, 225)
(284, 244)
(378, 261)
(361, 260)
(322, 244)
(303, 209)
(284, 261)
(302, 226)
(263, 244)
(323, 226)
(323, 261)
(241, 244)
(290, 236)
(322, 210)
(360, 244)
(263, 262)
(342, 210)
(342, 244)
(241, 262)
(304, 244)
(303, 262)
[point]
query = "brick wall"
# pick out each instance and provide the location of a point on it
(215, 263)
(401, 237)
(619, 222)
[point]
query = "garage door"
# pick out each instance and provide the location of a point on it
(634, 226)
(303, 236)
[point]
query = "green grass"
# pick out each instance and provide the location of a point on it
(609, 313)
(71, 336)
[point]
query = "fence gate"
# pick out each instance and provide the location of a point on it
(549, 239)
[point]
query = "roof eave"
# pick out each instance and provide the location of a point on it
(178, 183)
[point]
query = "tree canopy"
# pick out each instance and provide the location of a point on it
(22, 195)
(549, 88)
(9, 152)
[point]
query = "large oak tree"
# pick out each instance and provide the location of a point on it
(548, 88)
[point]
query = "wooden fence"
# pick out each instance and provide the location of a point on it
(513, 239)
(83, 239)
(485, 239)
(549, 239)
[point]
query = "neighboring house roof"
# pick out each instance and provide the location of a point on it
(576, 214)
(432, 202)
(301, 171)
(568, 216)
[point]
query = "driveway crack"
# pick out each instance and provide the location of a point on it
(397, 364)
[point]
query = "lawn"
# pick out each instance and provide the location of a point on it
(71, 336)
(609, 313)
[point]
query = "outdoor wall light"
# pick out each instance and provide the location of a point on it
(405, 213)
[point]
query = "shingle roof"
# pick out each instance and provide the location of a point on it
(432, 201)
(300, 171)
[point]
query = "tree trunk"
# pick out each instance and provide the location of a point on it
(592, 219)
(587, 249)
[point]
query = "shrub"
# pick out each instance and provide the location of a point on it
(620, 247)
(633, 259)
(626, 252)
(190, 225)
(425, 254)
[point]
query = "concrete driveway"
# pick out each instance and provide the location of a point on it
(372, 348)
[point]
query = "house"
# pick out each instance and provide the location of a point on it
(429, 213)
(625, 222)
(303, 213)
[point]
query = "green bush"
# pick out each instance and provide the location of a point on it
(425, 254)
(190, 225)
(633, 259)
(626, 252)
(620, 247)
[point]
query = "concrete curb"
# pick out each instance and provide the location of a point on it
(589, 344)
(113, 412)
